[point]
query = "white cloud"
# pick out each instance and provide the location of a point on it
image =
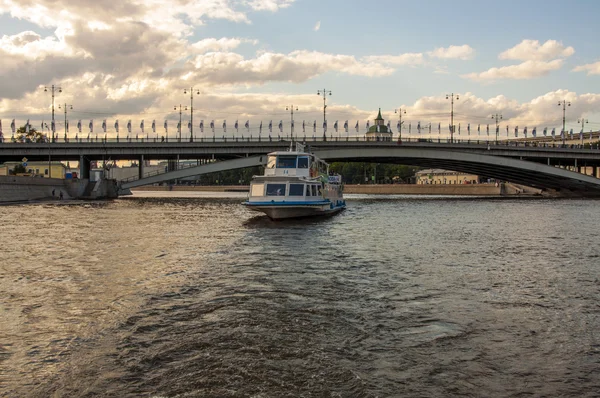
(591, 69)
(270, 5)
(398, 60)
(317, 26)
(532, 50)
(463, 52)
(224, 43)
(525, 70)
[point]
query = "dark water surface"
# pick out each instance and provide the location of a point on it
(395, 297)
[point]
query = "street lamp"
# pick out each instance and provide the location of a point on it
(324, 92)
(53, 88)
(400, 111)
(583, 123)
(451, 97)
(497, 117)
(291, 109)
(564, 104)
(191, 110)
(66, 122)
(180, 110)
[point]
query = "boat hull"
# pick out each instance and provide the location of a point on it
(281, 212)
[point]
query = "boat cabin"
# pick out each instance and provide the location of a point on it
(295, 176)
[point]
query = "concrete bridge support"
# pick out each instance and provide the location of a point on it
(141, 167)
(84, 167)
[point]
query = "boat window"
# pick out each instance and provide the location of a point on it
(303, 162)
(286, 162)
(275, 189)
(271, 162)
(296, 189)
(314, 190)
(258, 189)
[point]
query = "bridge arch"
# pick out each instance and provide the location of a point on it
(502, 168)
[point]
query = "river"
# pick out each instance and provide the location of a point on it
(186, 294)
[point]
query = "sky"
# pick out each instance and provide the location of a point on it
(249, 60)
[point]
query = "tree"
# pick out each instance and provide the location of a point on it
(32, 136)
(19, 168)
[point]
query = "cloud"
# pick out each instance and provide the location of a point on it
(270, 5)
(317, 26)
(531, 50)
(223, 43)
(398, 60)
(525, 70)
(591, 69)
(463, 52)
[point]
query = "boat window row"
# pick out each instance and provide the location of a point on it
(288, 162)
(299, 190)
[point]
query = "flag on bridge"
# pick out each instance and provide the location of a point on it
(104, 125)
(270, 126)
(78, 125)
(166, 126)
(154, 125)
(142, 126)
(469, 129)
(224, 126)
(545, 132)
(303, 127)
(189, 126)
(12, 126)
(458, 128)
(534, 132)
(335, 126)
(281, 126)
(201, 126)
(247, 125)
(367, 125)
(129, 126)
(488, 130)
(27, 126)
(516, 131)
(525, 132)
(389, 126)
(325, 126)
(478, 129)
(117, 125)
(315, 126)
(346, 126)
(236, 126)
(91, 126)
(212, 125)
(553, 132)
(419, 127)
(356, 127)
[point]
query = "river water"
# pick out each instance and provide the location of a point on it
(164, 296)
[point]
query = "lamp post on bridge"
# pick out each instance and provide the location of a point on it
(181, 108)
(451, 97)
(291, 109)
(191, 112)
(66, 123)
(400, 111)
(564, 104)
(324, 92)
(53, 88)
(583, 123)
(497, 117)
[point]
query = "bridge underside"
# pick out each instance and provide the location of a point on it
(502, 168)
(506, 169)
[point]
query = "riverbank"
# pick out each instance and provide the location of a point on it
(374, 189)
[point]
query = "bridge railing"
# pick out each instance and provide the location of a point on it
(520, 142)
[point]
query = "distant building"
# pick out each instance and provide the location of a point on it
(37, 169)
(379, 131)
(441, 176)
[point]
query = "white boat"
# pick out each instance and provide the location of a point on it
(296, 184)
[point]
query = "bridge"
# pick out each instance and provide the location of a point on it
(541, 165)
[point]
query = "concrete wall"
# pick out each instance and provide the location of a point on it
(384, 189)
(15, 189)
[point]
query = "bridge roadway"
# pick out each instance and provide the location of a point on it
(523, 164)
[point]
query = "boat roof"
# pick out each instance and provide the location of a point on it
(292, 153)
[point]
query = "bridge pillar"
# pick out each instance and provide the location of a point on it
(141, 167)
(595, 171)
(84, 168)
